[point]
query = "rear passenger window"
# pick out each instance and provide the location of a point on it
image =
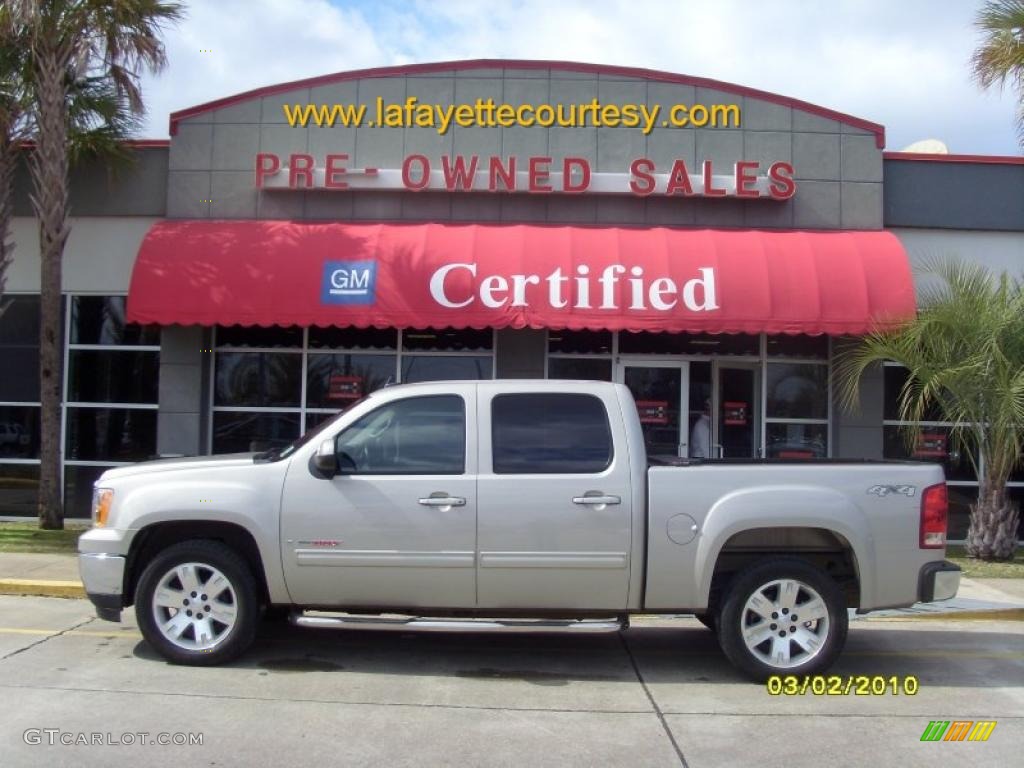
(550, 433)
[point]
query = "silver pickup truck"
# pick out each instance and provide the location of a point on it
(498, 505)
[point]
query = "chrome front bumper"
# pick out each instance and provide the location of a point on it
(103, 578)
(938, 581)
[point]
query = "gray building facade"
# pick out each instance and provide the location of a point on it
(133, 392)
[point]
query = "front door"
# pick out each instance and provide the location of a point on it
(398, 527)
(738, 411)
(673, 400)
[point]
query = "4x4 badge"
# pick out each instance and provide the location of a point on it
(885, 490)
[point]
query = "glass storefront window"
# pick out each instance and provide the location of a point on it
(19, 489)
(932, 444)
(894, 378)
(78, 482)
(580, 342)
(19, 349)
(797, 391)
(113, 377)
(241, 431)
(353, 338)
(447, 340)
(100, 320)
(338, 380)
(645, 343)
(799, 345)
(960, 499)
(268, 338)
(591, 368)
(19, 432)
(796, 441)
(261, 379)
(111, 434)
(439, 367)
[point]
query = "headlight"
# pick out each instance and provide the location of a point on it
(102, 498)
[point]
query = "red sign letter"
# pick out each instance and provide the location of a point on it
(709, 189)
(407, 179)
(539, 174)
(499, 171)
(267, 164)
(567, 166)
(743, 178)
(642, 182)
(333, 175)
(458, 176)
(300, 166)
(782, 186)
(679, 179)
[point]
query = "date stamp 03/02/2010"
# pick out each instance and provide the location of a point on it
(842, 685)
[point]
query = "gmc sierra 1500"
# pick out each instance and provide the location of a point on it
(511, 505)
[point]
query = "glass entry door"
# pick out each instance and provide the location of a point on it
(738, 411)
(673, 400)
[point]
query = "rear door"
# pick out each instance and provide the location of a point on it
(555, 501)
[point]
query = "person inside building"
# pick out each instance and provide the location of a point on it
(700, 434)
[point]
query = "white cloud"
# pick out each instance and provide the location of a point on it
(900, 64)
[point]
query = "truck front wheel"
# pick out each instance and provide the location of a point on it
(196, 603)
(782, 617)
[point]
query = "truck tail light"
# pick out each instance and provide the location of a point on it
(934, 516)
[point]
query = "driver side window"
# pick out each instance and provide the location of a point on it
(415, 436)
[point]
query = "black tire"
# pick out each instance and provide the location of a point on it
(206, 555)
(707, 619)
(830, 637)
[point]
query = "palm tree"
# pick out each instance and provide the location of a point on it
(70, 40)
(1000, 57)
(964, 355)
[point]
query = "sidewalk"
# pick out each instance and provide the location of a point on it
(57, 576)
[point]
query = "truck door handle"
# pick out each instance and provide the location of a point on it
(443, 501)
(603, 499)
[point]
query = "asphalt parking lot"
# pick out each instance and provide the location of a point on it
(659, 694)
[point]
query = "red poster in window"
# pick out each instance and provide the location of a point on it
(734, 413)
(931, 445)
(793, 454)
(652, 411)
(343, 387)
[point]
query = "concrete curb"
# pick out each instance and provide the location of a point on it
(991, 614)
(38, 588)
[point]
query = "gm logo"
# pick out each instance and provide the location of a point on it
(349, 282)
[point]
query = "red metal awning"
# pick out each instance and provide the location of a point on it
(519, 276)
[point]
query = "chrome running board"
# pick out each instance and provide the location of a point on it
(412, 623)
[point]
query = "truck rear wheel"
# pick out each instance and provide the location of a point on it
(782, 617)
(196, 603)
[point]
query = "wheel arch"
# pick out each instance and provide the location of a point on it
(816, 524)
(154, 538)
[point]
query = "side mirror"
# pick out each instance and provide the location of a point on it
(325, 459)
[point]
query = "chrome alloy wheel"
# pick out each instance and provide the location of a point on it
(194, 606)
(784, 623)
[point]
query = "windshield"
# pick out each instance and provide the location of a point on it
(276, 454)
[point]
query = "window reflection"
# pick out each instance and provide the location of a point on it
(264, 379)
(337, 381)
(797, 441)
(242, 432)
(437, 368)
(111, 434)
(934, 444)
(797, 391)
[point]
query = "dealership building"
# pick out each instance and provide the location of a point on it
(249, 277)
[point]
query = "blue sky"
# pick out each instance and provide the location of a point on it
(904, 64)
